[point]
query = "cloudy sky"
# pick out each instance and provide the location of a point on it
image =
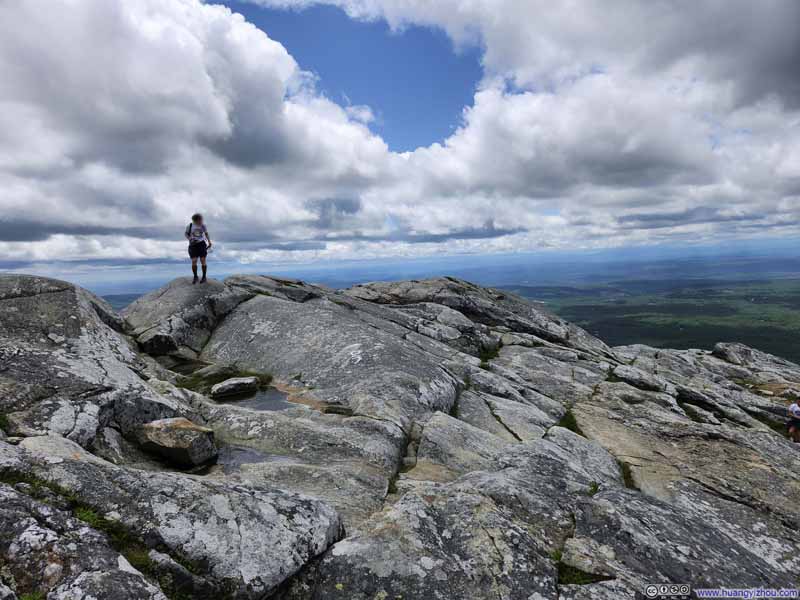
(372, 128)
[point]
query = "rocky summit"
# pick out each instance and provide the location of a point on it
(263, 438)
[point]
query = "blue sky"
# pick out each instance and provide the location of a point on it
(414, 80)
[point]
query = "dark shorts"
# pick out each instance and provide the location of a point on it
(198, 250)
(793, 423)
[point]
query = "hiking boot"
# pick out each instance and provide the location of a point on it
(194, 280)
(203, 280)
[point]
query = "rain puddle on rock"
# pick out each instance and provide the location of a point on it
(230, 458)
(269, 399)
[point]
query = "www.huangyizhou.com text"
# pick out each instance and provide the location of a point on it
(747, 593)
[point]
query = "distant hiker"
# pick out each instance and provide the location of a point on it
(197, 234)
(794, 422)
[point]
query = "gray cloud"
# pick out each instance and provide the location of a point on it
(693, 216)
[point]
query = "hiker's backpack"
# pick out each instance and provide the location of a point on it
(189, 229)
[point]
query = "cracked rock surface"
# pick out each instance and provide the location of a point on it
(433, 440)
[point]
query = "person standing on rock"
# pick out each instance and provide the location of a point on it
(794, 422)
(199, 244)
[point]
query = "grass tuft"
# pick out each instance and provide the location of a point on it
(627, 476)
(594, 487)
(568, 421)
(488, 353)
(4, 424)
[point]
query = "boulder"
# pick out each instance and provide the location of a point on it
(181, 442)
(66, 367)
(235, 386)
(738, 354)
(179, 318)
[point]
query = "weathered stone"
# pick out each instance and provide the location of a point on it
(436, 444)
(179, 318)
(45, 550)
(327, 347)
(217, 526)
(178, 440)
(6, 593)
(738, 354)
(453, 447)
(90, 380)
(641, 379)
(347, 461)
(481, 305)
(473, 409)
(235, 386)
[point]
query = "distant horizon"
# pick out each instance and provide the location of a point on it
(552, 267)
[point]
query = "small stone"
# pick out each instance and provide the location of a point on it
(6, 593)
(180, 441)
(235, 386)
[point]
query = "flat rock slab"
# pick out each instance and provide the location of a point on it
(235, 386)
(454, 447)
(180, 441)
(367, 368)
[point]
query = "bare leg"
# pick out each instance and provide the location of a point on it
(194, 269)
(205, 268)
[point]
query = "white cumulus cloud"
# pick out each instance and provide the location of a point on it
(596, 123)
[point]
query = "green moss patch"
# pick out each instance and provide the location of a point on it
(129, 546)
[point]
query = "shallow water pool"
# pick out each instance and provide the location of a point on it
(269, 399)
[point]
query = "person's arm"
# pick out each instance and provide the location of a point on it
(208, 238)
(186, 233)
